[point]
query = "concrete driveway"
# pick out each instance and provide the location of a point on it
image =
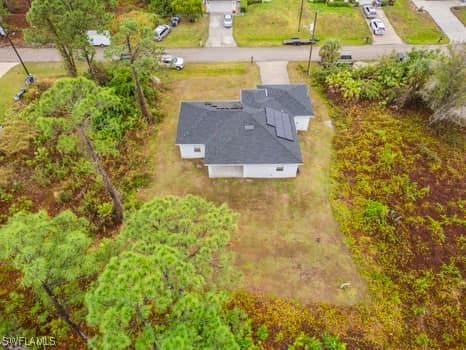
(445, 19)
(218, 35)
(5, 67)
(390, 36)
(275, 72)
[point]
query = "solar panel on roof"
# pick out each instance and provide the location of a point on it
(283, 128)
(281, 122)
(270, 116)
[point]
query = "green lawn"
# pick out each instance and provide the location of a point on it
(12, 81)
(269, 23)
(288, 243)
(412, 26)
(460, 12)
(188, 34)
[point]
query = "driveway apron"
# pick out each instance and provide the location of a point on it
(218, 35)
(441, 13)
(275, 72)
(5, 67)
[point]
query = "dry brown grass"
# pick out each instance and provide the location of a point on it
(288, 243)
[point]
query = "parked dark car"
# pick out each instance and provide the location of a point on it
(125, 56)
(175, 20)
(345, 59)
(299, 41)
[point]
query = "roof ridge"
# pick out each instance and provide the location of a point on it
(294, 87)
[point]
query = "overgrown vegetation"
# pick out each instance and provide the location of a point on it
(398, 194)
(399, 81)
(404, 222)
(180, 253)
(398, 189)
(64, 23)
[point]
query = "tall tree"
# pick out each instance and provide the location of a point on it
(445, 93)
(197, 228)
(135, 38)
(151, 298)
(53, 255)
(160, 291)
(330, 52)
(415, 71)
(161, 7)
(190, 8)
(75, 105)
(64, 23)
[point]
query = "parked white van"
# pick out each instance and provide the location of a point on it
(99, 38)
(161, 32)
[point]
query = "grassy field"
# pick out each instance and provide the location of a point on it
(288, 243)
(12, 81)
(412, 26)
(188, 34)
(269, 23)
(460, 12)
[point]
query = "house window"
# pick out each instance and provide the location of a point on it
(279, 168)
(197, 149)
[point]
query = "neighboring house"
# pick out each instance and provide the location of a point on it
(220, 6)
(255, 137)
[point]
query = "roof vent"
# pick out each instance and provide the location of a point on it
(249, 127)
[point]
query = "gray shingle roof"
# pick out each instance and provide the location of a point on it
(237, 132)
(290, 98)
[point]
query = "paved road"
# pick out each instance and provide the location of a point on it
(226, 54)
(445, 19)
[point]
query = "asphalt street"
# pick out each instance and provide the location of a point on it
(226, 54)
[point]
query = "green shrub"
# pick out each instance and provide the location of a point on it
(375, 212)
(332, 342)
(243, 6)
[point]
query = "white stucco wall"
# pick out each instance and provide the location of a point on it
(260, 171)
(301, 122)
(188, 151)
(270, 170)
(225, 171)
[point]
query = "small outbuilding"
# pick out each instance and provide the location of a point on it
(255, 137)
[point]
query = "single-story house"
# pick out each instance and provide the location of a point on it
(220, 6)
(255, 137)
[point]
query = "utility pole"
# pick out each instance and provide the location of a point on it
(300, 15)
(312, 44)
(5, 34)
